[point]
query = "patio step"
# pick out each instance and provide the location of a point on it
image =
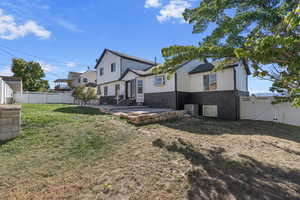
(112, 108)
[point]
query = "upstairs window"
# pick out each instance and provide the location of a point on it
(105, 91)
(210, 82)
(159, 80)
(113, 67)
(101, 71)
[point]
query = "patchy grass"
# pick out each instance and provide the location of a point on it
(68, 152)
(58, 138)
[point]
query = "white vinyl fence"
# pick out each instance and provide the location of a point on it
(6, 93)
(44, 98)
(259, 108)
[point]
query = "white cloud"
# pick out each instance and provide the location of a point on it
(47, 67)
(6, 71)
(67, 25)
(71, 64)
(9, 29)
(152, 4)
(173, 10)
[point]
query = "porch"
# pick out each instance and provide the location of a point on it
(123, 93)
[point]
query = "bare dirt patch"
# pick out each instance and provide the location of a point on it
(183, 159)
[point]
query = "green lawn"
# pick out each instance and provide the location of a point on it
(57, 138)
(69, 152)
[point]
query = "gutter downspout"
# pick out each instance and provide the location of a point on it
(176, 92)
(236, 96)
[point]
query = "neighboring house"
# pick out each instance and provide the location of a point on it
(74, 78)
(88, 78)
(122, 78)
(62, 85)
(14, 82)
(8, 86)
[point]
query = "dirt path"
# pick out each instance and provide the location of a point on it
(186, 160)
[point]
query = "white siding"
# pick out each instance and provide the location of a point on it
(5, 92)
(126, 63)
(183, 77)
(130, 76)
(111, 88)
(225, 80)
(241, 78)
(106, 62)
(149, 86)
(90, 75)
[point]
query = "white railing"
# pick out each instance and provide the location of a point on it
(6, 93)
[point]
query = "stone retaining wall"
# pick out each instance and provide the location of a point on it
(152, 117)
(10, 121)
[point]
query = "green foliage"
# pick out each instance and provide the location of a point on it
(84, 94)
(263, 34)
(31, 74)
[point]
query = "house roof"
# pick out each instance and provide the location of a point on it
(207, 67)
(61, 81)
(137, 72)
(123, 55)
(10, 78)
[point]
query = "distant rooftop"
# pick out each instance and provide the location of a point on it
(10, 78)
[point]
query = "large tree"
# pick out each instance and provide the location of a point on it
(263, 34)
(31, 74)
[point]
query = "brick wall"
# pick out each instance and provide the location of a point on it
(10, 121)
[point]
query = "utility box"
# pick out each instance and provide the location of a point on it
(192, 109)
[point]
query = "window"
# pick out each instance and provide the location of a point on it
(210, 82)
(210, 110)
(79, 80)
(140, 86)
(117, 89)
(113, 67)
(105, 91)
(101, 71)
(159, 80)
(85, 80)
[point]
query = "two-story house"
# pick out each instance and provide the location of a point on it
(121, 77)
(88, 78)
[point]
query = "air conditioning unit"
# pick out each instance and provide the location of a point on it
(210, 110)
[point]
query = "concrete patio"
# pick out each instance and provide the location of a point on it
(141, 114)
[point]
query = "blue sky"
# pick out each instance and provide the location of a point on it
(70, 35)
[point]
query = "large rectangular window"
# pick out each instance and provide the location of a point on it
(210, 82)
(101, 71)
(159, 80)
(140, 86)
(105, 91)
(113, 67)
